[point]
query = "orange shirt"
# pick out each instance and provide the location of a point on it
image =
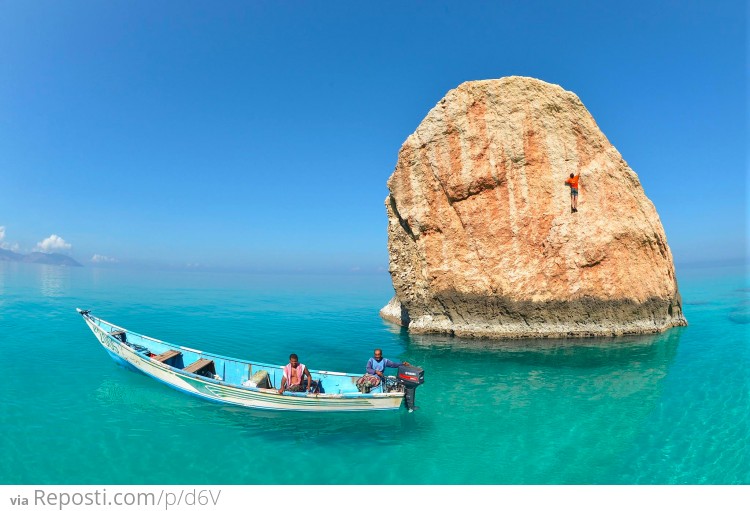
(573, 181)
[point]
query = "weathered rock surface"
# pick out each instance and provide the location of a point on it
(481, 237)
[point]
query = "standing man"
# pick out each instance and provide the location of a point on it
(573, 183)
(294, 376)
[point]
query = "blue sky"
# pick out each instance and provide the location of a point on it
(260, 135)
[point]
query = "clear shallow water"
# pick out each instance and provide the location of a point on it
(669, 408)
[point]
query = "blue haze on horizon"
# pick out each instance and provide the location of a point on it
(260, 135)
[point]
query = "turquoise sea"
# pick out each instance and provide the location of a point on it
(662, 409)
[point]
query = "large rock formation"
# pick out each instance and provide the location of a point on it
(481, 237)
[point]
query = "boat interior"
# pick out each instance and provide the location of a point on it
(243, 373)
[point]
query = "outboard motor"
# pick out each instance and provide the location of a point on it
(410, 377)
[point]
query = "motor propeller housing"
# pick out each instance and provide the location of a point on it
(410, 377)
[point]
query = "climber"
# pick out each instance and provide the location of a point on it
(573, 183)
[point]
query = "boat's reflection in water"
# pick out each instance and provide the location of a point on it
(166, 407)
(334, 428)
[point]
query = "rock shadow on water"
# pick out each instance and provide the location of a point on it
(594, 369)
(740, 315)
(559, 352)
(580, 402)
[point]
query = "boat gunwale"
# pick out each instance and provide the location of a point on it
(183, 373)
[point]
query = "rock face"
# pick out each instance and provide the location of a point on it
(481, 237)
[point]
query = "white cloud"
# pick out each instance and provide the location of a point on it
(97, 258)
(4, 244)
(53, 243)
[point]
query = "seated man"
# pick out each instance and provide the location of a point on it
(375, 367)
(296, 376)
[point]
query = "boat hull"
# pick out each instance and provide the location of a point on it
(224, 393)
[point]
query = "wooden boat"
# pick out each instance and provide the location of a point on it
(230, 381)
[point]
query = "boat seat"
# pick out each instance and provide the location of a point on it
(120, 335)
(167, 355)
(201, 366)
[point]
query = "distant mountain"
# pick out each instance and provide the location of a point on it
(7, 255)
(38, 258)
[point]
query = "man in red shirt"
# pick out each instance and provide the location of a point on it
(573, 183)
